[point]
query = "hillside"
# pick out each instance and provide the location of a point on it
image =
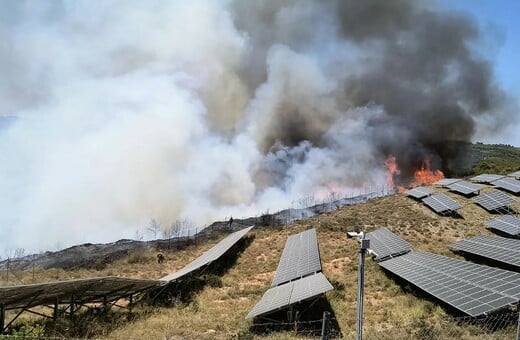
(216, 309)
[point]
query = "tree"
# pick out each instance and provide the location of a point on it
(154, 227)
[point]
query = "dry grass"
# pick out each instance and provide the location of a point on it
(219, 312)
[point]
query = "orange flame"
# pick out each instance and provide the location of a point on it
(392, 170)
(426, 176)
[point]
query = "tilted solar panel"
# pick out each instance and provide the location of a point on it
(509, 184)
(420, 192)
(441, 203)
(447, 181)
(515, 174)
(486, 178)
(211, 255)
(501, 249)
(471, 288)
(289, 293)
(465, 187)
(84, 290)
(300, 257)
(494, 200)
(385, 244)
(507, 224)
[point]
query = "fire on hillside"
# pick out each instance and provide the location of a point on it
(425, 175)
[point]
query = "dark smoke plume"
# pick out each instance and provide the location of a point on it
(115, 112)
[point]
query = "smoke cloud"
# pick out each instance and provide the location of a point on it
(116, 112)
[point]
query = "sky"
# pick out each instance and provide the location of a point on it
(499, 20)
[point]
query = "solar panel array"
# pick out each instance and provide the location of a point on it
(465, 187)
(507, 224)
(441, 203)
(515, 174)
(211, 255)
(83, 290)
(419, 192)
(486, 178)
(501, 249)
(494, 200)
(289, 293)
(447, 181)
(300, 257)
(385, 244)
(509, 184)
(471, 288)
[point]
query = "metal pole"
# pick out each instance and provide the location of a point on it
(56, 311)
(2, 318)
(518, 324)
(325, 326)
(361, 283)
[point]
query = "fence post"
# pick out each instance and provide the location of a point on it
(325, 326)
(365, 244)
(518, 322)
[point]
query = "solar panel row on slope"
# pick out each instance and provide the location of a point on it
(507, 224)
(515, 174)
(441, 203)
(290, 293)
(420, 192)
(385, 244)
(465, 187)
(211, 255)
(500, 249)
(509, 184)
(471, 288)
(84, 290)
(486, 178)
(300, 257)
(447, 181)
(494, 200)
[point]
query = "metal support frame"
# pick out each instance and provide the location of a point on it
(2, 318)
(365, 244)
(518, 322)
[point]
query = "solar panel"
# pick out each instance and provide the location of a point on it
(501, 249)
(507, 224)
(471, 288)
(290, 293)
(515, 175)
(84, 290)
(300, 257)
(211, 255)
(486, 178)
(465, 187)
(441, 203)
(509, 184)
(494, 200)
(446, 181)
(420, 192)
(385, 244)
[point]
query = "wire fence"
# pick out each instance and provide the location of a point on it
(504, 326)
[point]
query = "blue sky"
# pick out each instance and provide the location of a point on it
(500, 24)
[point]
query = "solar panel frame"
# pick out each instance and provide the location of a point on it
(84, 290)
(509, 184)
(419, 192)
(507, 224)
(486, 178)
(465, 188)
(500, 249)
(209, 256)
(470, 288)
(300, 257)
(494, 200)
(515, 174)
(289, 293)
(447, 181)
(441, 203)
(384, 244)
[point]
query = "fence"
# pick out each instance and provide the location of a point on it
(494, 327)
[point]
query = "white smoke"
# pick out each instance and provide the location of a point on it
(132, 110)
